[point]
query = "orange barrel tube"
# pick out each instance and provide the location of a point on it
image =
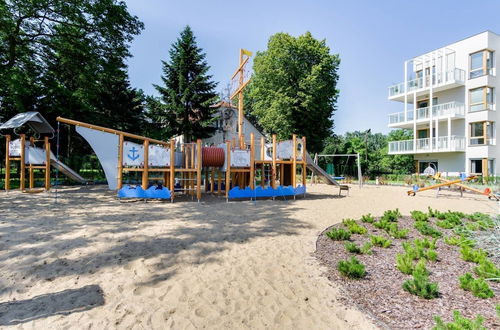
(212, 156)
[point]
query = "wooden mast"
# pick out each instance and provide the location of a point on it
(244, 58)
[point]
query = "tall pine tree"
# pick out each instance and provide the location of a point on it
(184, 103)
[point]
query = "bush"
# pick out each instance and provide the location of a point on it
(352, 268)
(419, 216)
(404, 262)
(354, 227)
(391, 228)
(459, 323)
(478, 287)
(380, 241)
(421, 249)
(451, 220)
(368, 218)
(352, 247)
(419, 285)
(338, 234)
(366, 248)
(478, 216)
(391, 215)
(399, 233)
(473, 255)
(458, 241)
(487, 269)
(425, 229)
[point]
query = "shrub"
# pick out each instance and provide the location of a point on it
(399, 233)
(391, 228)
(338, 234)
(367, 218)
(421, 249)
(354, 227)
(477, 216)
(473, 255)
(404, 262)
(392, 215)
(459, 323)
(419, 216)
(458, 241)
(352, 247)
(478, 287)
(425, 229)
(352, 268)
(380, 241)
(366, 248)
(419, 285)
(487, 269)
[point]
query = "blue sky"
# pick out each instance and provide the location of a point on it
(373, 39)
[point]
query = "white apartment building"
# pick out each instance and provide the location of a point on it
(449, 100)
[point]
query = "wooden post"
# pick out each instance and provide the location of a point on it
(120, 162)
(252, 160)
(30, 167)
(212, 180)
(294, 160)
(485, 170)
(145, 168)
(219, 183)
(240, 103)
(22, 166)
(273, 170)
(172, 169)
(304, 162)
(198, 173)
(262, 157)
(47, 163)
(7, 162)
(228, 169)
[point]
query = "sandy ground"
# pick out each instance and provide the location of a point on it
(90, 261)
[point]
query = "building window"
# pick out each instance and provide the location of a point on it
(481, 99)
(481, 133)
(476, 166)
(481, 63)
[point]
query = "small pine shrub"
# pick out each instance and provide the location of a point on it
(404, 262)
(472, 255)
(421, 249)
(366, 248)
(477, 216)
(352, 247)
(497, 307)
(478, 287)
(338, 234)
(458, 241)
(380, 241)
(368, 218)
(352, 268)
(354, 227)
(460, 323)
(399, 233)
(419, 216)
(425, 229)
(419, 285)
(488, 270)
(391, 215)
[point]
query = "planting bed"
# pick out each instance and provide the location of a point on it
(380, 291)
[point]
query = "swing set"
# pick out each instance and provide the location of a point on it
(342, 177)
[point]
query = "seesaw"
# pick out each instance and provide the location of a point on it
(485, 192)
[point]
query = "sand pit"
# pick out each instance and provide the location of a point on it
(90, 261)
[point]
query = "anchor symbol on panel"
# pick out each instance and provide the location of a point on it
(133, 156)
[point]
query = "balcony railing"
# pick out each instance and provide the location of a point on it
(436, 144)
(436, 79)
(438, 110)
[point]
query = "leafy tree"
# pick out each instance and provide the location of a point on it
(184, 103)
(293, 88)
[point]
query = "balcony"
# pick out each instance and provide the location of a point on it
(428, 145)
(439, 81)
(455, 110)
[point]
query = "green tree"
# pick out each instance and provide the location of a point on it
(184, 103)
(293, 88)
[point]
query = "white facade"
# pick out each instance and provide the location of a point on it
(449, 100)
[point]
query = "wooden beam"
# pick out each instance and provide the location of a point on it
(172, 169)
(252, 160)
(145, 172)
(228, 168)
(120, 162)
(239, 90)
(7, 162)
(110, 130)
(198, 166)
(273, 169)
(294, 160)
(242, 64)
(23, 165)
(47, 163)
(304, 162)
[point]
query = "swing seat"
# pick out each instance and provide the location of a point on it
(343, 187)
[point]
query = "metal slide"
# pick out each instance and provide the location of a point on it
(320, 172)
(66, 170)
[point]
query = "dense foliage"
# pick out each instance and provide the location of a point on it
(294, 88)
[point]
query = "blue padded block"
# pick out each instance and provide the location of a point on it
(236, 192)
(131, 192)
(157, 192)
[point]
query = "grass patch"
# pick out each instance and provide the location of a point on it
(352, 268)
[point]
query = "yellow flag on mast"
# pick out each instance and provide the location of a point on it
(246, 52)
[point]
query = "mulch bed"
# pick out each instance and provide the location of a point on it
(381, 294)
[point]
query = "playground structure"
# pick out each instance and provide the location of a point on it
(448, 183)
(358, 164)
(30, 156)
(187, 167)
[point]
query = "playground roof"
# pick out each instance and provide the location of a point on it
(33, 119)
